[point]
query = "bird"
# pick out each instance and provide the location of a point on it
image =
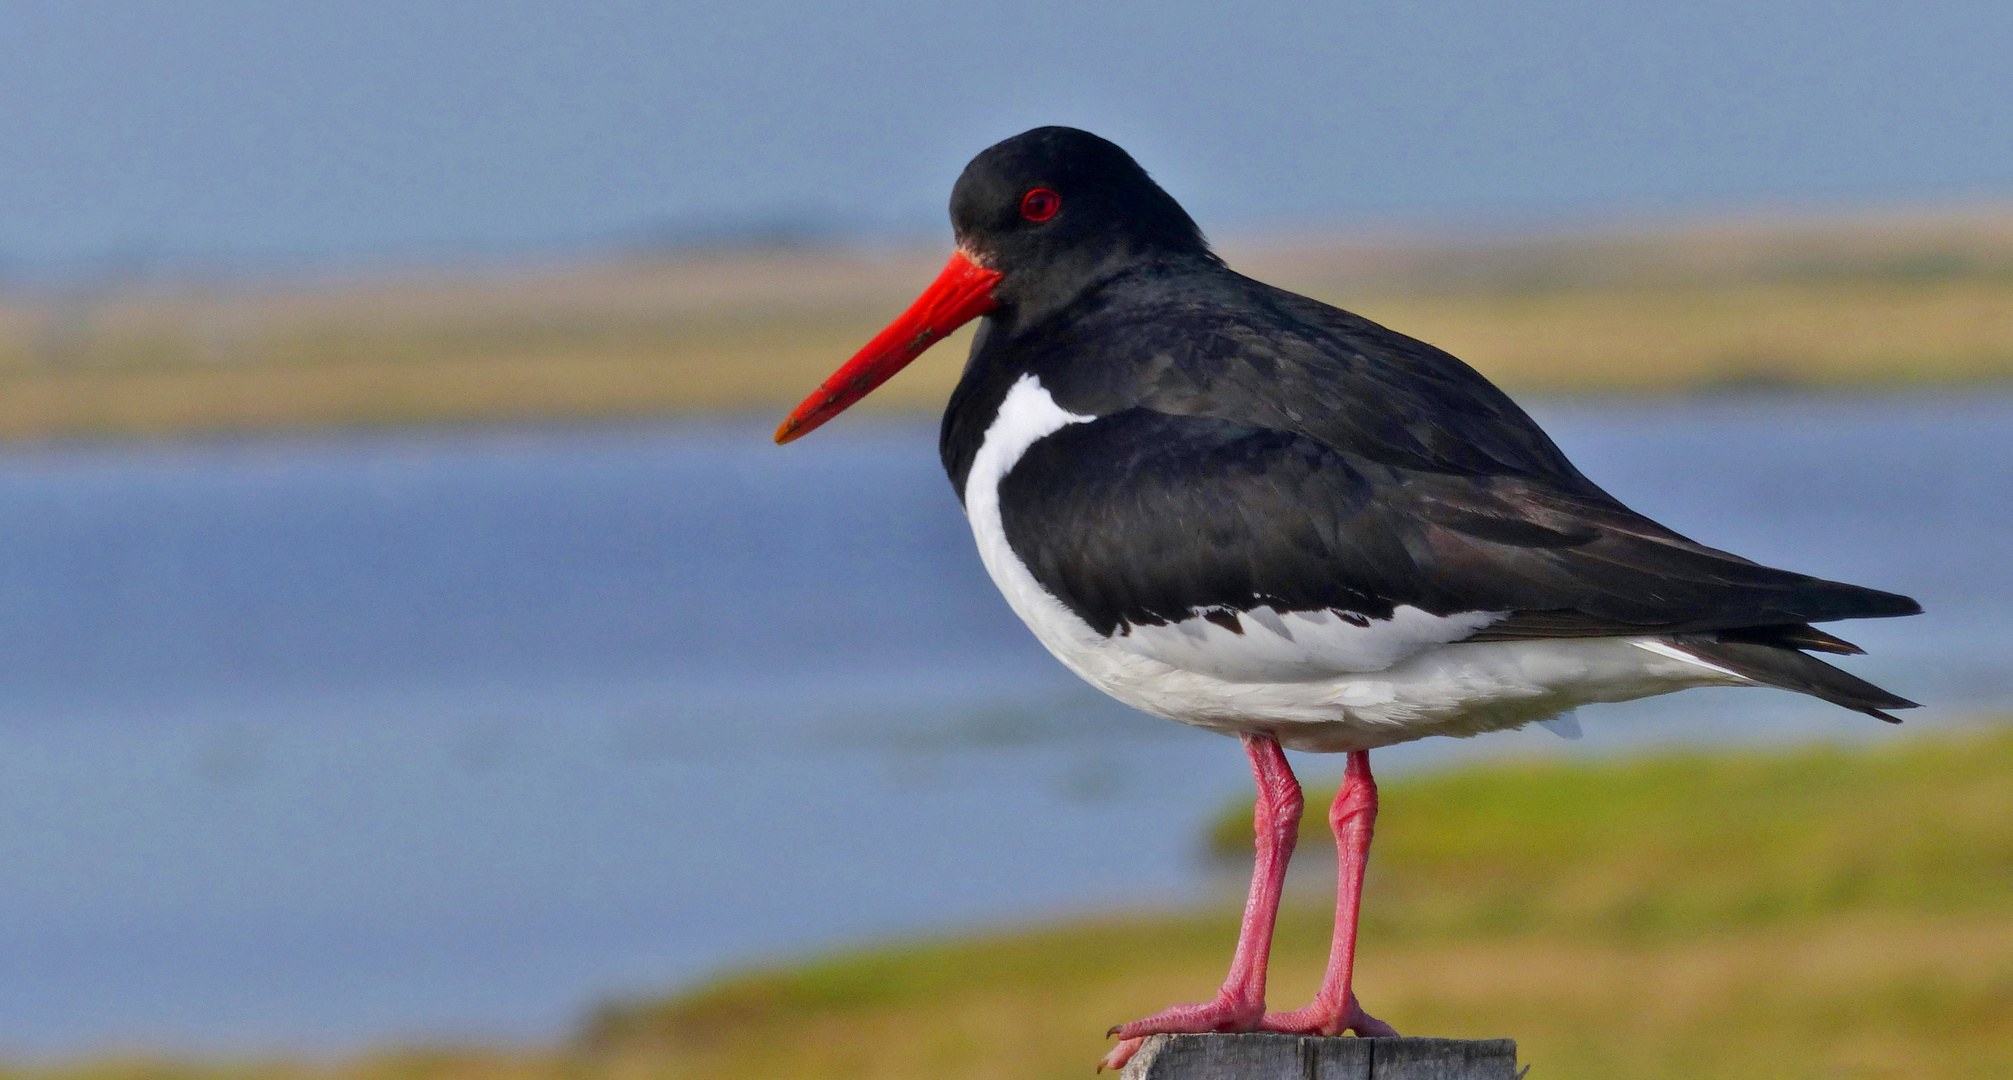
(1242, 509)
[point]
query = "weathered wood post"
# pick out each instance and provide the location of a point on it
(1266, 1056)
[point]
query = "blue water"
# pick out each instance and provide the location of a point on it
(307, 743)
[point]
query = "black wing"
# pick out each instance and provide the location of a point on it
(1225, 346)
(1141, 517)
(1216, 344)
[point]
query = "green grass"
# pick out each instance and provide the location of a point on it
(1815, 913)
(1822, 912)
(1685, 843)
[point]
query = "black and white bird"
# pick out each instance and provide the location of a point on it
(1238, 508)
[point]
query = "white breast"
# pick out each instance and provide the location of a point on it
(1317, 680)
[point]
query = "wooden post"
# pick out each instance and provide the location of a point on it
(1266, 1056)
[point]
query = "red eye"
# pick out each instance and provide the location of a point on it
(1040, 204)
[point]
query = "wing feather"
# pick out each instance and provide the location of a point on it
(1145, 518)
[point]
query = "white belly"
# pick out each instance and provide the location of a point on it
(1315, 680)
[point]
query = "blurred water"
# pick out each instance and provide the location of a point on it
(309, 742)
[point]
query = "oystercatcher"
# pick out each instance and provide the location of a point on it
(1232, 506)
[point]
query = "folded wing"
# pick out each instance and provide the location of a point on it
(1145, 519)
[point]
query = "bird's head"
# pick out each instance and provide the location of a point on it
(1038, 219)
(1055, 210)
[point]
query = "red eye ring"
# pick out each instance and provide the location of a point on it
(1040, 204)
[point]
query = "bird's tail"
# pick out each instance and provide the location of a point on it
(1776, 660)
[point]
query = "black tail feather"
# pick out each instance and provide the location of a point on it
(1793, 636)
(1783, 666)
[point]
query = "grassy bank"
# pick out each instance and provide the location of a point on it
(1844, 303)
(1820, 913)
(1813, 913)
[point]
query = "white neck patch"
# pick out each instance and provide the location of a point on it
(1026, 415)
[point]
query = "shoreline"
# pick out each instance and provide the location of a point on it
(1826, 303)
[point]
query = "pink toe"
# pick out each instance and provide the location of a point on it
(1223, 1014)
(1322, 1019)
(1121, 1054)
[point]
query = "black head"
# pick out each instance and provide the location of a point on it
(1056, 210)
(1040, 219)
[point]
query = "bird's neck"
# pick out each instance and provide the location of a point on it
(1057, 347)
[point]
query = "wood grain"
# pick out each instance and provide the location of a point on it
(1267, 1056)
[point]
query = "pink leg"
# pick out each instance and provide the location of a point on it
(1335, 1009)
(1240, 1004)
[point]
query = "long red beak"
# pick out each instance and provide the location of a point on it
(963, 292)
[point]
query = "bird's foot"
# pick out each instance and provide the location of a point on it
(1224, 1013)
(1323, 1018)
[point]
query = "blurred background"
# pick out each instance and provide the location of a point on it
(415, 659)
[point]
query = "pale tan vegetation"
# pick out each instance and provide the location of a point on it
(1873, 300)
